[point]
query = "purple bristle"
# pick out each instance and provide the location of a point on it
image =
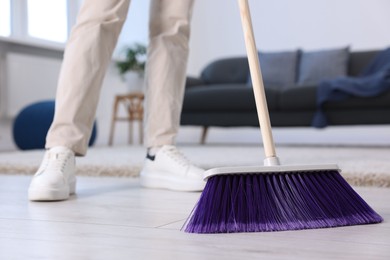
(278, 201)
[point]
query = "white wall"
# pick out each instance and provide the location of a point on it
(278, 25)
(30, 79)
(283, 24)
(135, 28)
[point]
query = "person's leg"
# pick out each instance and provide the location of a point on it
(169, 32)
(165, 167)
(87, 55)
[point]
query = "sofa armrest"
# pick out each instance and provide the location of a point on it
(193, 81)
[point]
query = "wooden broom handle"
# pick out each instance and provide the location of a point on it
(257, 80)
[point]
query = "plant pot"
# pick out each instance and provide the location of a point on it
(134, 81)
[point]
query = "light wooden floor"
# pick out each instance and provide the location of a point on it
(113, 218)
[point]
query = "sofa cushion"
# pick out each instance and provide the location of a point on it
(278, 68)
(359, 61)
(226, 71)
(298, 99)
(225, 98)
(315, 66)
(193, 81)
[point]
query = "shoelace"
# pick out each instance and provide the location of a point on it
(56, 161)
(177, 156)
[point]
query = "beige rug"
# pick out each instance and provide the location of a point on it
(362, 166)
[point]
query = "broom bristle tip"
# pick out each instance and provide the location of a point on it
(276, 202)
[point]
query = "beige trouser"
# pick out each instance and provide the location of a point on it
(88, 53)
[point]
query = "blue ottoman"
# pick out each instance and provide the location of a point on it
(32, 123)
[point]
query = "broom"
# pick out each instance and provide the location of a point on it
(274, 197)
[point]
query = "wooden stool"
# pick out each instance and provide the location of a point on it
(133, 103)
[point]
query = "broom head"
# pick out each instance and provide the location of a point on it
(276, 198)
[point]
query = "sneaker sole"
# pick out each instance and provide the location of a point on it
(159, 180)
(51, 194)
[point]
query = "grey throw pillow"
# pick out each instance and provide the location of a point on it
(315, 66)
(278, 69)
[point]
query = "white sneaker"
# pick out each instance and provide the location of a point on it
(170, 169)
(55, 178)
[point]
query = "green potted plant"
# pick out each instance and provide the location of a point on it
(131, 66)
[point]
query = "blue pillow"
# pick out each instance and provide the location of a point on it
(32, 123)
(316, 66)
(278, 69)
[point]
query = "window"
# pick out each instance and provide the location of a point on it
(47, 19)
(5, 18)
(45, 22)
